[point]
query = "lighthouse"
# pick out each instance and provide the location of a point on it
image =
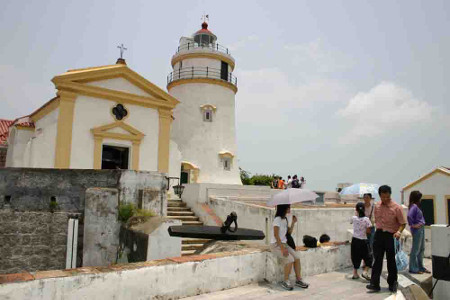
(204, 122)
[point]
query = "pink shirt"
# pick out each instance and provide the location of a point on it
(389, 217)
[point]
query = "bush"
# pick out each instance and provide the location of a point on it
(245, 177)
(261, 180)
(128, 210)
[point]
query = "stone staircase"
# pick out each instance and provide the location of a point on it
(177, 209)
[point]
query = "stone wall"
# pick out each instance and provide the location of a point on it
(31, 241)
(3, 151)
(30, 189)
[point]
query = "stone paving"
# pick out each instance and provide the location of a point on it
(333, 285)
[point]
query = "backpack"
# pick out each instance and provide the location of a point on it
(295, 184)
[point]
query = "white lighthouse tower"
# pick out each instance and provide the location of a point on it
(204, 121)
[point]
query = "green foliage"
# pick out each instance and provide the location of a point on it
(53, 206)
(260, 179)
(245, 177)
(128, 210)
(257, 179)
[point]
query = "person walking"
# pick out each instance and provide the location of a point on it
(369, 208)
(289, 182)
(275, 182)
(360, 247)
(416, 222)
(278, 246)
(390, 223)
(281, 184)
(295, 182)
(302, 182)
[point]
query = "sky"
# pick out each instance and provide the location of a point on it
(335, 91)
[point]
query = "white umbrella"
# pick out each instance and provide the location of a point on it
(291, 196)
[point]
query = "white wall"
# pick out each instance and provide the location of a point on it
(314, 222)
(119, 84)
(43, 146)
(201, 142)
(94, 112)
(172, 278)
(17, 147)
(160, 244)
(439, 186)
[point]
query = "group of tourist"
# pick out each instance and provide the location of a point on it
(292, 182)
(375, 229)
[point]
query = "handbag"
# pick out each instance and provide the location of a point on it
(401, 259)
(289, 239)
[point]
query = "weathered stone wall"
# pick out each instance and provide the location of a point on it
(31, 241)
(3, 151)
(30, 189)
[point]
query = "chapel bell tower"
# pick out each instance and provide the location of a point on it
(204, 121)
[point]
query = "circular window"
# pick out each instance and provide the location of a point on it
(119, 112)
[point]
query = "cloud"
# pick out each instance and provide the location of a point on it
(315, 58)
(385, 107)
(243, 42)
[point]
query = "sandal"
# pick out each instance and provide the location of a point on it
(355, 277)
(418, 272)
(426, 271)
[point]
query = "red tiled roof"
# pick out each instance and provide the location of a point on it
(4, 130)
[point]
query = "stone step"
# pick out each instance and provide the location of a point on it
(177, 208)
(176, 204)
(186, 241)
(180, 213)
(184, 218)
(192, 247)
(192, 223)
(187, 252)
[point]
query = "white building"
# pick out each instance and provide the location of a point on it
(102, 118)
(435, 188)
(111, 117)
(204, 121)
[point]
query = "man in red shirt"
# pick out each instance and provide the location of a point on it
(390, 222)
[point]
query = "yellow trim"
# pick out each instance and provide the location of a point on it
(433, 197)
(64, 129)
(165, 120)
(208, 106)
(203, 80)
(24, 127)
(113, 95)
(226, 154)
(437, 170)
(447, 198)
(74, 80)
(187, 166)
(100, 133)
(179, 57)
(45, 109)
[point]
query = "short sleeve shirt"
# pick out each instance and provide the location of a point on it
(282, 224)
(360, 226)
(389, 217)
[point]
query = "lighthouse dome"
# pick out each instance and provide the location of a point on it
(204, 36)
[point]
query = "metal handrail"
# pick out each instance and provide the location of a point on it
(212, 47)
(201, 72)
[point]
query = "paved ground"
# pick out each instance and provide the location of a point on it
(334, 285)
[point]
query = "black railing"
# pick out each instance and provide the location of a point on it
(193, 46)
(201, 72)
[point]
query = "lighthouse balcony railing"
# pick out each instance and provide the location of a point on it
(202, 46)
(201, 72)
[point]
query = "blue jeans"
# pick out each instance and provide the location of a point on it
(417, 250)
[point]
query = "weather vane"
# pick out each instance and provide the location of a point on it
(122, 49)
(205, 18)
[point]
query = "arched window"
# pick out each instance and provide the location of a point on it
(208, 111)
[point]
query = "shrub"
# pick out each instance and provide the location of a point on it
(126, 211)
(261, 179)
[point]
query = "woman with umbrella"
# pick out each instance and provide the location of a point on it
(282, 250)
(281, 228)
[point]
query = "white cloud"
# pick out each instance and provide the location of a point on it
(243, 42)
(383, 108)
(313, 57)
